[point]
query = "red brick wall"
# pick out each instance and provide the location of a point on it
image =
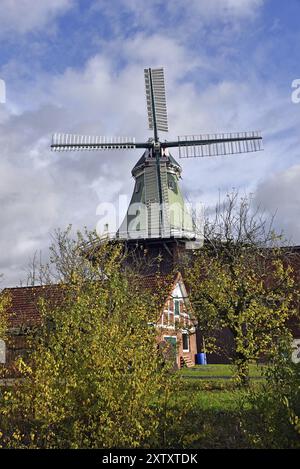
(171, 325)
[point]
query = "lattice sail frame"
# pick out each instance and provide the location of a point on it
(70, 142)
(219, 144)
(156, 103)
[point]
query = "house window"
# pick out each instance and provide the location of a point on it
(171, 340)
(185, 342)
(176, 307)
(170, 352)
(2, 351)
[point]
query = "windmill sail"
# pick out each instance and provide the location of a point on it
(156, 99)
(69, 142)
(218, 144)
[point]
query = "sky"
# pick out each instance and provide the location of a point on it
(77, 66)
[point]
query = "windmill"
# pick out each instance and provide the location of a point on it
(157, 210)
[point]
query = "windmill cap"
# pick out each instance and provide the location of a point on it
(146, 158)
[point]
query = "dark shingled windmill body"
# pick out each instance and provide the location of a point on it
(157, 220)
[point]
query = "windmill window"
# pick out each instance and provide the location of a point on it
(137, 187)
(171, 184)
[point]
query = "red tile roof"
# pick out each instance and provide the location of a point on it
(24, 301)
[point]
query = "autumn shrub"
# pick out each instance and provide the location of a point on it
(273, 416)
(94, 378)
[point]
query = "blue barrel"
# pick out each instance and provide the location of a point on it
(201, 359)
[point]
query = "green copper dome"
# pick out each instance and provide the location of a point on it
(143, 219)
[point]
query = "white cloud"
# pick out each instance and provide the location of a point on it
(225, 9)
(23, 16)
(151, 13)
(238, 7)
(280, 194)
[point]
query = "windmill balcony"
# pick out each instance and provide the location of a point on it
(174, 233)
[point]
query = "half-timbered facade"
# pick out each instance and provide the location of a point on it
(176, 324)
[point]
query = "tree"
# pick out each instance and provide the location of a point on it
(242, 281)
(70, 256)
(274, 417)
(94, 378)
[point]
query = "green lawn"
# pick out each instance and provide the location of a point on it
(218, 371)
(212, 404)
(212, 387)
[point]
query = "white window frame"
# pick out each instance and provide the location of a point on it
(188, 335)
(171, 337)
(171, 324)
(178, 300)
